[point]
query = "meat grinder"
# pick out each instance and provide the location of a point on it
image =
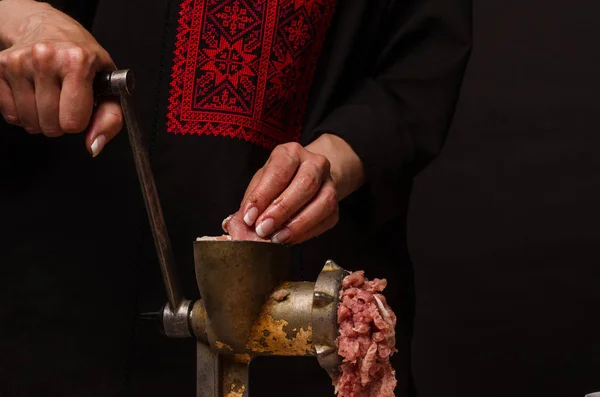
(248, 309)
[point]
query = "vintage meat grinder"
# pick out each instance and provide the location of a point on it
(258, 312)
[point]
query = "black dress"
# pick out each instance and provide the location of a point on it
(78, 262)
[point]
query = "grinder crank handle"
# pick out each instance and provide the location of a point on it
(120, 83)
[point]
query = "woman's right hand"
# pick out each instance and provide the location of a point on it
(47, 67)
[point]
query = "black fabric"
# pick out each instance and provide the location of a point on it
(70, 237)
(503, 224)
(394, 116)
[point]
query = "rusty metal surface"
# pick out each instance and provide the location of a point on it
(326, 300)
(198, 322)
(235, 278)
(242, 358)
(249, 313)
(233, 377)
(284, 326)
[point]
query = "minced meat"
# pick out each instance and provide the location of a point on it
(366, 340)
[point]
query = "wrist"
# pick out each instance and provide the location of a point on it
(347, 168)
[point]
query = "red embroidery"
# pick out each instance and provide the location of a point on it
(243, 68)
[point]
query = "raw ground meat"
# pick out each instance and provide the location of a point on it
(224, 237)
(367, 339)
(236, 229)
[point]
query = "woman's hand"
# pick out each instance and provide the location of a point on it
(295, 196)
(47, 69)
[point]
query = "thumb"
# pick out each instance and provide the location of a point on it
(106, 123)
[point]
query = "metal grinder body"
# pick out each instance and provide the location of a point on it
(248, 309)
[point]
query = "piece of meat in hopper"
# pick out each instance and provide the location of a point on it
(236, 229)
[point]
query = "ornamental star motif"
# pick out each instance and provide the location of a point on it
(229, 62)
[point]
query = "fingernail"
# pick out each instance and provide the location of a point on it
(98, 145)
(224, 223)
(282, 236)
(265, 227)
(251, 216)
(11, 119)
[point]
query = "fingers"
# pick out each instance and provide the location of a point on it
(15, 70)
(47, 87)
(76, 97)
(320, 215)
(276, 176)
(252, 185)
(77, 100)
(294, 190)
(8, 108)
(105, 125)
(305, 185)
(47, 94)
(321, 228)
(24, 97)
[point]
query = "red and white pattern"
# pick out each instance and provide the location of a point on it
(243, 68)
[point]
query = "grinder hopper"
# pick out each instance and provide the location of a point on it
(247, 307)
(236, 278)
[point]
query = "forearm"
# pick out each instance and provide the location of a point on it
(347, 169)
(14, 17)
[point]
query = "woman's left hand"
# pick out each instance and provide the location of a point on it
(294, 197)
